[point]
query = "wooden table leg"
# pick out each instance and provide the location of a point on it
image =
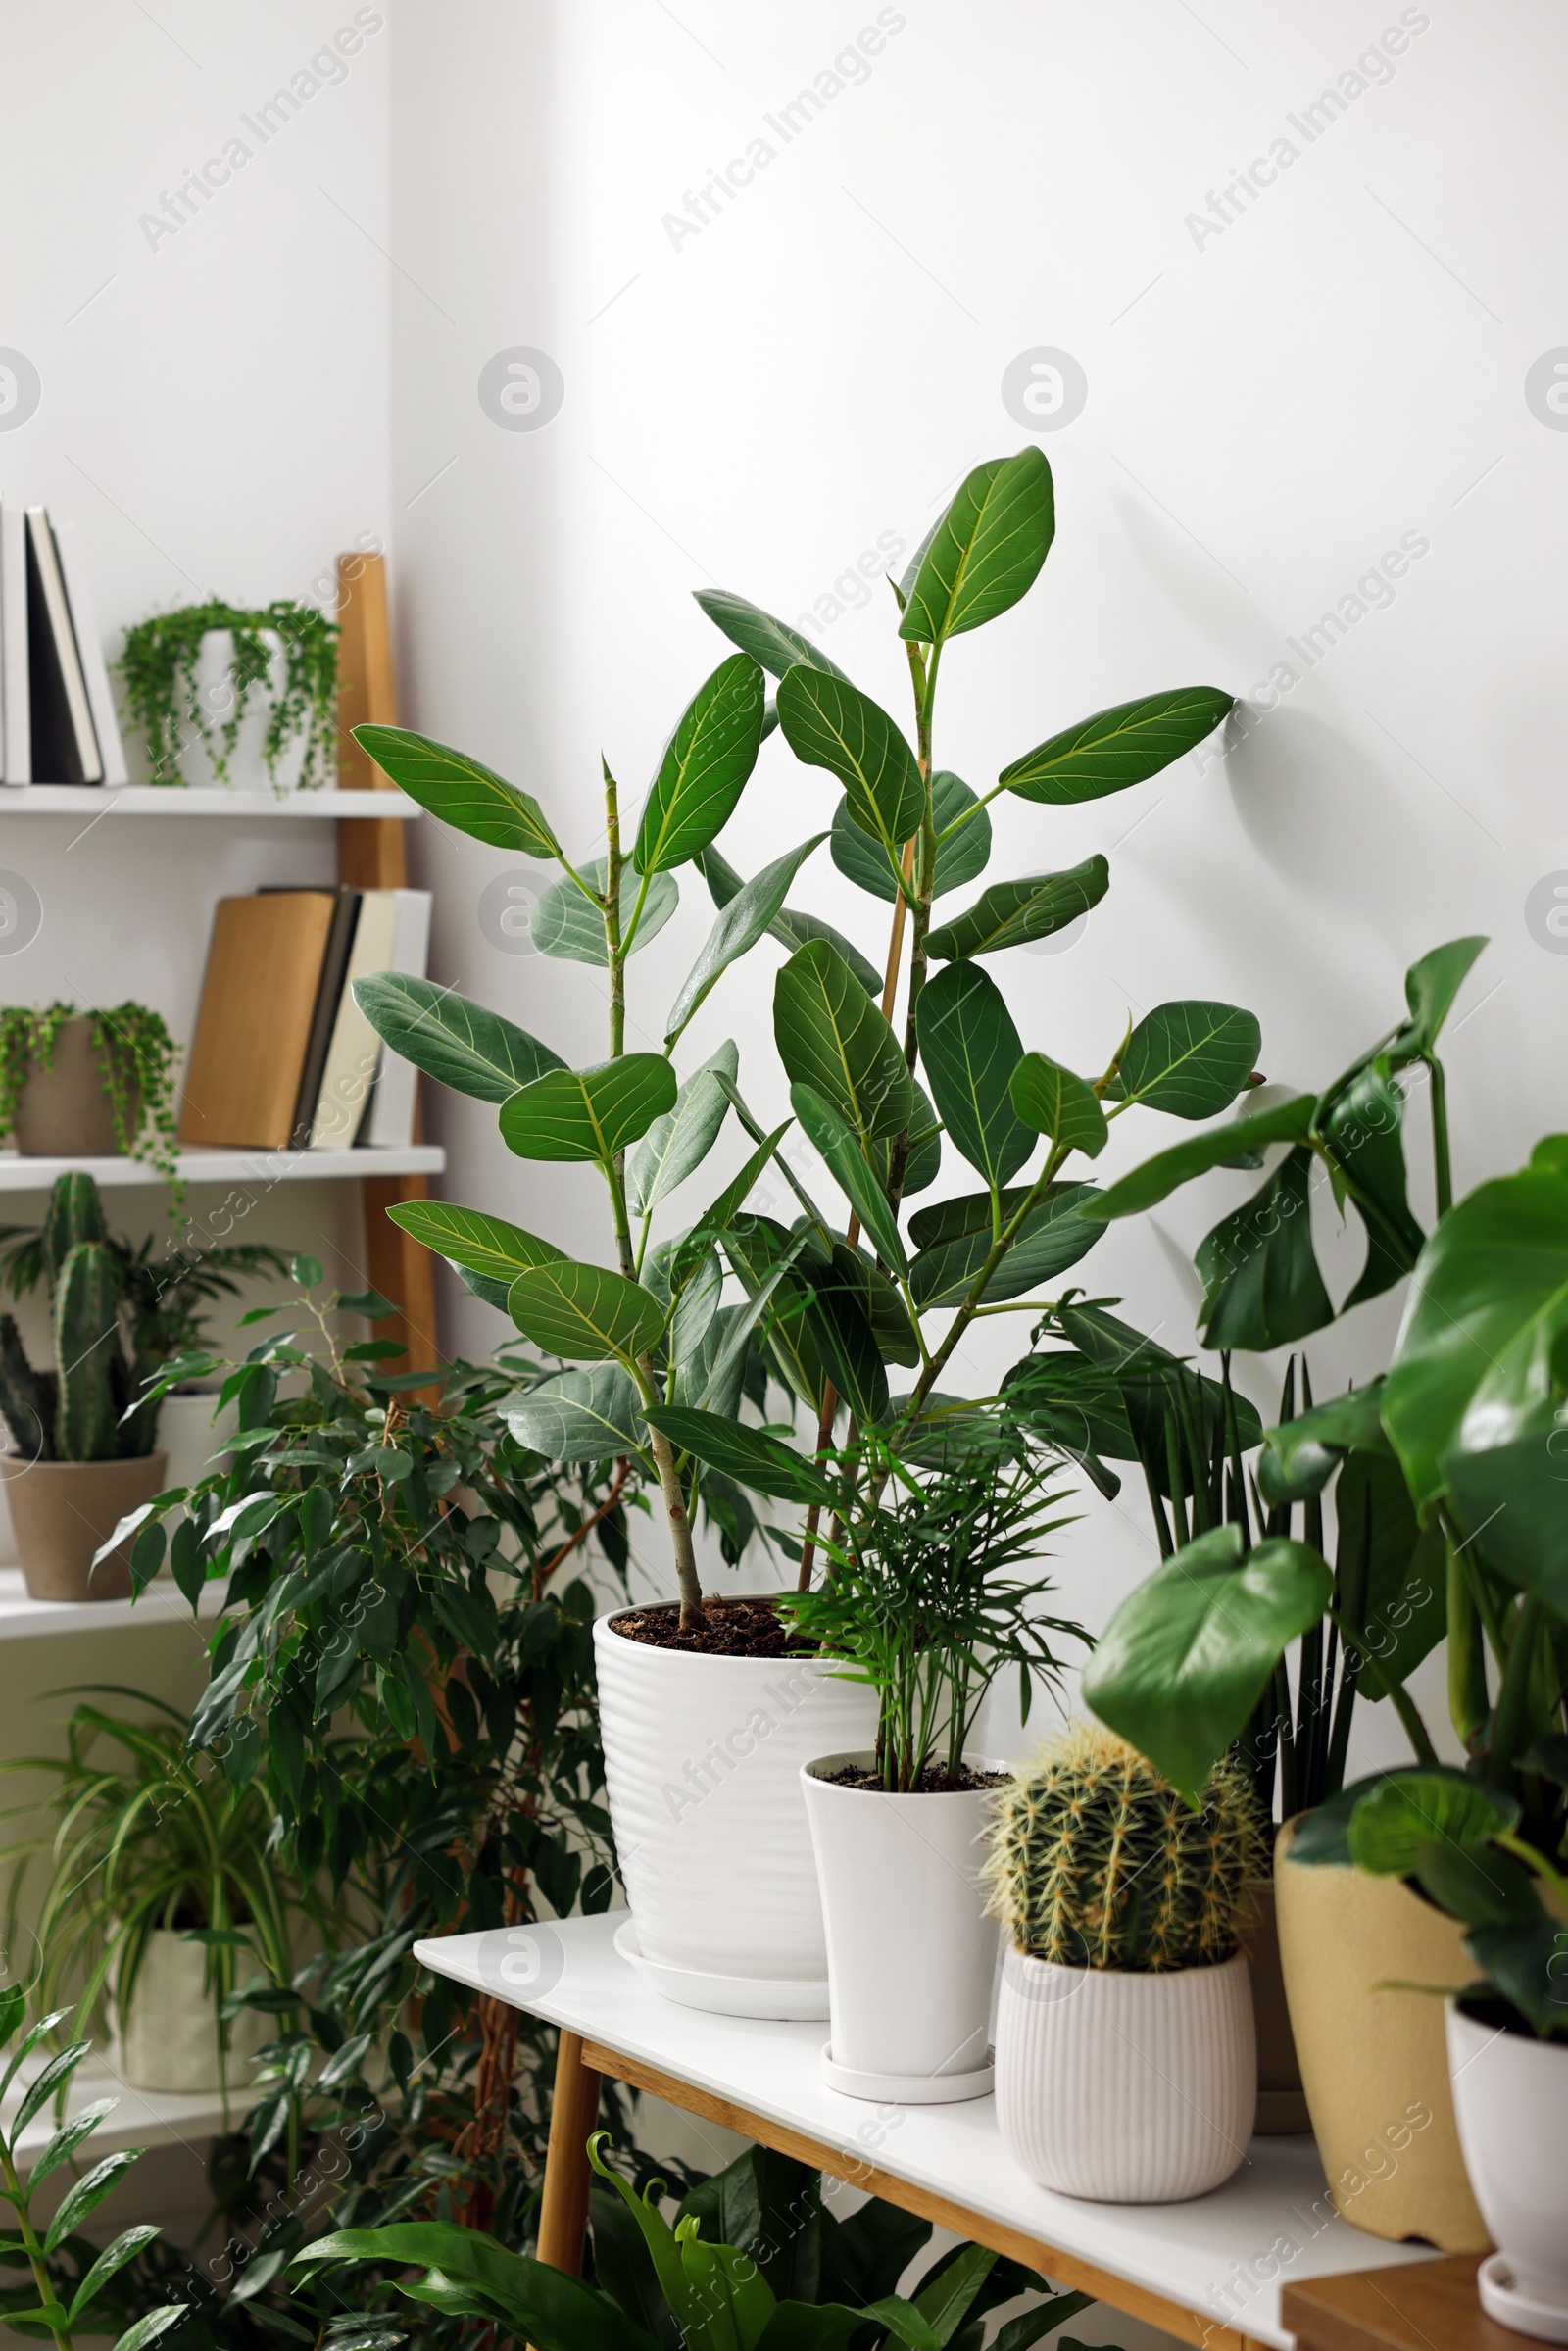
(563, 2209)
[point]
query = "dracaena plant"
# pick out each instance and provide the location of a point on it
(1447, 1474)
(661, 1348)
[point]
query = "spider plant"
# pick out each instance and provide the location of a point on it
(146, 1838)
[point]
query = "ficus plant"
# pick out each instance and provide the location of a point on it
(656, 1346)
(1447, 1471)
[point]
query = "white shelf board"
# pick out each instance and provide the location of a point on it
(115, 1174)
(1189, 2253)
(174, 800)
(160, 1604)
(144, 2118)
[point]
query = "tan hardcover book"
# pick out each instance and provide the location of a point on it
(264, 972)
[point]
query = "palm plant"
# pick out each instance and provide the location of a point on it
(154, 1839)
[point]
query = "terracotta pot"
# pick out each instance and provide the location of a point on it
(1374, 2056)
(64, 1111)
(61, 1512)
(1281, 2099)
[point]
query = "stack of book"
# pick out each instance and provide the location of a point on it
(57, 714)
(283, 1059)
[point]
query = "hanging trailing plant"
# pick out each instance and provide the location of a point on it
(159, 669)
(137, 1056)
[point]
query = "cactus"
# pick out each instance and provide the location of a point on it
(90, 1356)
(1096, 1861)
(75, 1212)
(26, 1397)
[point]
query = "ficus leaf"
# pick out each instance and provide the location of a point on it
(987, 550)
(469, 796)
(1118, 747)
(452, 1040)
(704, 767)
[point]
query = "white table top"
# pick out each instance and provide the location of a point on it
(1222, 2255)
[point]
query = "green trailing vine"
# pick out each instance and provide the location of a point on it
(137, 1056)
(159, 669)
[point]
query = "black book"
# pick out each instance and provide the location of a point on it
(328, 996)
(64, 746)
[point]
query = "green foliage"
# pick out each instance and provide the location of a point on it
(88, 1350)
(138, 1059)
(1096, 1861)
(73, 2284)
(159, 669)
(931, 1599)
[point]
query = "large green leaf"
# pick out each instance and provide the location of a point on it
(567, 925)
(1187, 1656)
(748, 1455)
(1525, 1963)
(1301, 1455)
(584, 1313)
(748, 916)
(1059, 1105)
(1070, 1401)
(1118, 747)
(529, 2299)
(1156, 1383)
(588, 1113)
(772, 643)
(839, 1146)
(1359, 1126)
(590, 1415)
(970, 1050)
(704, 770)
(452, 1040)
(1394, 1819)
(1261, 1284)
(1191, 1059)
(473, 799)
(831, 1035)
(1405, 1611)
(470, 1237)
(879, 1302)
(987, 550)
(1157, 1178)
(1011, 913)
(1062, 1227)
(795, 928)
(680, 1140)
(830, 724)
(1431, 986)
(861, 859)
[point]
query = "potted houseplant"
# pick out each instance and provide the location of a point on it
(83, 1438)
(1125, 2056)
(1459, 1842)
(1448, 1462)
(86, 1085)
(657, 1339)
(236, 695)
(927, 1603)
(163, 1892)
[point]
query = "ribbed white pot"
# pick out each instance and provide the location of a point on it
(168, 2041)
(912, 1955)
(1511, 2101)
(703, 1761)
(1125, 2089)
(216, 696)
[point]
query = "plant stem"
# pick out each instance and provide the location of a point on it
(1468, 1698)
(977, 1288)
(1441, 1159)
(1513, 1697)
(35, 2250)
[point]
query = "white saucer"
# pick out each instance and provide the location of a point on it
(782, 2002)
(908, 2089)
(1502, 2300)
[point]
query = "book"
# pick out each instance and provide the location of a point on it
(65, 746)
(90, 653)
(346, 904)
(389, 1118)
(355, 1047)
(252, 1028)
(16, 745)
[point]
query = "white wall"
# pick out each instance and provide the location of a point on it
(213, 417)
(1271, 406)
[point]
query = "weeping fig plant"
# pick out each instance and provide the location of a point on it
(891, 1057)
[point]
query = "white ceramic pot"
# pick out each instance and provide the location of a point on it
(911, 1956)
(168, 2041)
(703, 1761)
(1511, 2101)
(191, 1435)
(1125, 2089)
(216, 694)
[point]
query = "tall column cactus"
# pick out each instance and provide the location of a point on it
(89, 1358)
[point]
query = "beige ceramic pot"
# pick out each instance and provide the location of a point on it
(169, 2039)
(1374, 2059)
(1281, 2099)
(65, 1111)
(61, 1511)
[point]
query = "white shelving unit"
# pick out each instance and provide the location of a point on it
(161, 1603)
(20, 1174)
(154, 800)
(144, 2118)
